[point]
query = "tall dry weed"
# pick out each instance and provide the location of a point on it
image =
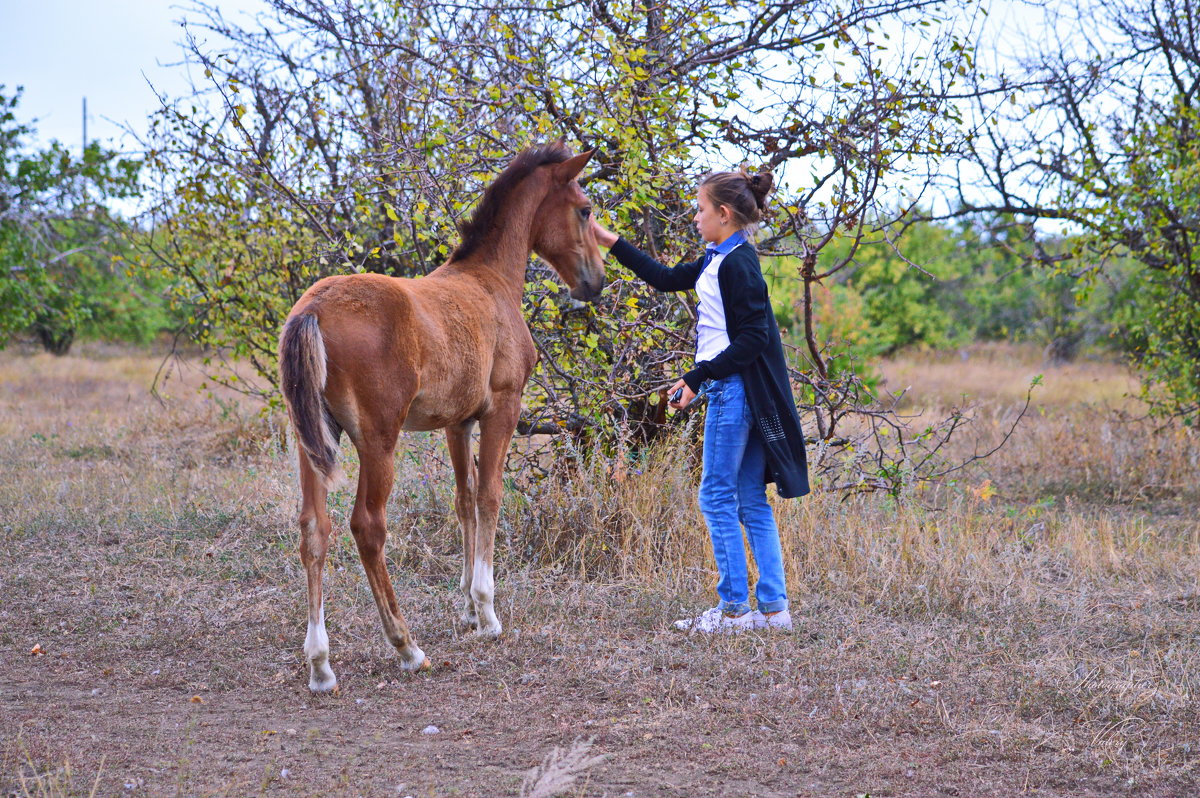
(964, 550)
(1081, 493)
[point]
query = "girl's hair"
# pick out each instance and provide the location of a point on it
(743, 193)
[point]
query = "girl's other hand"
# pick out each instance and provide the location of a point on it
(685, 399)
(604, 237)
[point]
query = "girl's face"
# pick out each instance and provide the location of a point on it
(712, 222)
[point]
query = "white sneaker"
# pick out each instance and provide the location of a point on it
(716, 622)
(780, 621)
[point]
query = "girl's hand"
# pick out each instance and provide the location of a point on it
(685, 399)
(604, 238)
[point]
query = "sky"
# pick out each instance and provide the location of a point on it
(116, 53)
(110, 52)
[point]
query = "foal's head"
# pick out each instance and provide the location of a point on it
(562, 230)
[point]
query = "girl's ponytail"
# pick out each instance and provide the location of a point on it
(760, 186)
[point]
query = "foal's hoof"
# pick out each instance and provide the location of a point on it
(328, 685)
(424, 667)
(416, 661)
(320, 675)
(468, 620)
(490, 632)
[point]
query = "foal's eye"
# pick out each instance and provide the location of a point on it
(585, 212)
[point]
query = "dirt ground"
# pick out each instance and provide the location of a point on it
(151, 623)
(203, 692)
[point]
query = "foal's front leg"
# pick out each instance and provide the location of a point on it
(496, 431)
(458, 440)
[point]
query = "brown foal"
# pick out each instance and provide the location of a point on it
(370, 355)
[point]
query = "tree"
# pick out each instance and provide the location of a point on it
(355, 137)
(1105, 139)
(58, 238)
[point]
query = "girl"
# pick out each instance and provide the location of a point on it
(752, 430)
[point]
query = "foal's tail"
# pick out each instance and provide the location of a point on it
(302, 374)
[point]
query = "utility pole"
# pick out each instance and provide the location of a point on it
(84, 153)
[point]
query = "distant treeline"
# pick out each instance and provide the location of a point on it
(942, 285)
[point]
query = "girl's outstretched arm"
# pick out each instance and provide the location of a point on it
(663, 278)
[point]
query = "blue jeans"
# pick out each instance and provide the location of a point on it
(733, 494)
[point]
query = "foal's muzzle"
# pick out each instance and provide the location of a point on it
(587, 289)
(591, 280)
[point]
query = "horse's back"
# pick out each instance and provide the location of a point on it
(422, 351)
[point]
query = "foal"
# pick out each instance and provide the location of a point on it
(370, 355)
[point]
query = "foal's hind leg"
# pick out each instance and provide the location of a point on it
(368, 522)
(315, 531)
(466, 483)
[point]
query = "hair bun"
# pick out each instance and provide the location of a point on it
(760, 186)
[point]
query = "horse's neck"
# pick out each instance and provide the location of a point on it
(499, 263)
(501, 278)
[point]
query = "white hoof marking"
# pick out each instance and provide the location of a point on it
(414, 660)
(321, 678)
(316, 649)
(491, 632)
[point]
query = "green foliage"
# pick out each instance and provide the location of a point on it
(1106, 141)
(901, 296)
(233, 281)
(61, 247)
(939, 285)
(1154, 216)
(901, 293)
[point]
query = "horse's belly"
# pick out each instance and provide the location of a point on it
(426, 413)
(424, 422)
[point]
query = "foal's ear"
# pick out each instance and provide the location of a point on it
(569, 169)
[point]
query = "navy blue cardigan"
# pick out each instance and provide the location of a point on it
(755, 351)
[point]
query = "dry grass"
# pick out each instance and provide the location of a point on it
(1087, 440)
(1034, 627)
(1000, 374)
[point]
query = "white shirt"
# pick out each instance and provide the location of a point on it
(712, 337)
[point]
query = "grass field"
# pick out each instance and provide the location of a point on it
(1032, 629)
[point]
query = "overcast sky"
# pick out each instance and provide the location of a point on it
(113, 51)
(109, 51)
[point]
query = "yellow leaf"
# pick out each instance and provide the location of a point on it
(985, 491)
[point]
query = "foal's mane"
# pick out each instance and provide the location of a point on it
(484, 220)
